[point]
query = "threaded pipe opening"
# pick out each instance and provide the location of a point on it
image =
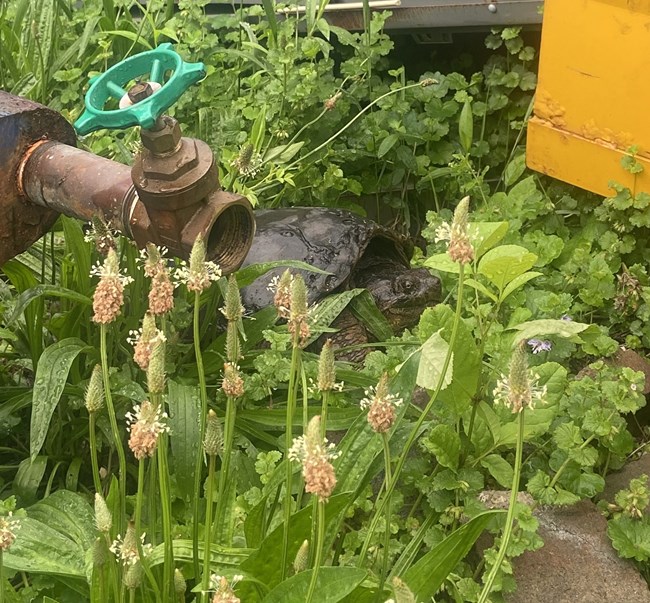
(231, 237)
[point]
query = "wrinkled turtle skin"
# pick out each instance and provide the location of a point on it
(355, 251)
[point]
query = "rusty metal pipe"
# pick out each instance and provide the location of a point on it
(168, 198)
(77, 183)
(82, 185)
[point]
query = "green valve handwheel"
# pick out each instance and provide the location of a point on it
(153, 66)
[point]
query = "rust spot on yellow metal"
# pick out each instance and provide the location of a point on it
(591, 102)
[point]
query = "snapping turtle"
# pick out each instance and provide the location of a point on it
(355, 251)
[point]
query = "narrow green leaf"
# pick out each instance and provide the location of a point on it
(26, 297)
(487, 235)
(365, 309)
(332, 585)
(184, 423)
(265, 563)
(517, 282)
(28, 479)
(514, 169)
(259, 129)
(386, 145)
(130, 35)
(247, 275)
(254, 524)
(50, 379)
(481, 288)
(466, 126)
(283, 153)
(74, 242)
(219, 555)
(47, 17)
(427, 575)
(269, 11)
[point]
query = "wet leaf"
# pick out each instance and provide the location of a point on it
(50, 379)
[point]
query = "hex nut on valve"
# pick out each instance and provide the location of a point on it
(165, 140)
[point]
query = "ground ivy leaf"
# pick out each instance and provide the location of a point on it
(631, 538)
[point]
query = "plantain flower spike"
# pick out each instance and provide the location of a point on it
(101, 235)
(143, 340)
(145, 425)
(161, 294)
(298, 325)
(8, 529)
(213, 442)
(460, 247)
(326, 370)
(103, 517)
(108, 298)
(301, 562)
(381, 405)
(156, 368)
(402, 592)
(94, 399)
(200, 274)
(224, 589)
(233, 384)
(282, 298)
(232, 309)
(520, 388)
(315, 456)
(180, 586)
(133, 576)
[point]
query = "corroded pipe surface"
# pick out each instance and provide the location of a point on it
(43, 174)
(77, 183)
(23, 123)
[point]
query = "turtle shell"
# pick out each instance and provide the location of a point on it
(333, 240)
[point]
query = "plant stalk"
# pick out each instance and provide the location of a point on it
(387, 469)
(510, 518)
(319, 551)
(205, 582)
(288, 440)
(203, 394)
(93, 452)
(116, 433)
(224, 474)
(390, 486)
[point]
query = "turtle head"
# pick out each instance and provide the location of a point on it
(403, 294)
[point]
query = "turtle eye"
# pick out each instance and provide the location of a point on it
(405, 285)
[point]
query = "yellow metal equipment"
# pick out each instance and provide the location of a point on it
(593, 97)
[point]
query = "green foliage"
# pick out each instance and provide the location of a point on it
(303, 112)
(629, 525)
